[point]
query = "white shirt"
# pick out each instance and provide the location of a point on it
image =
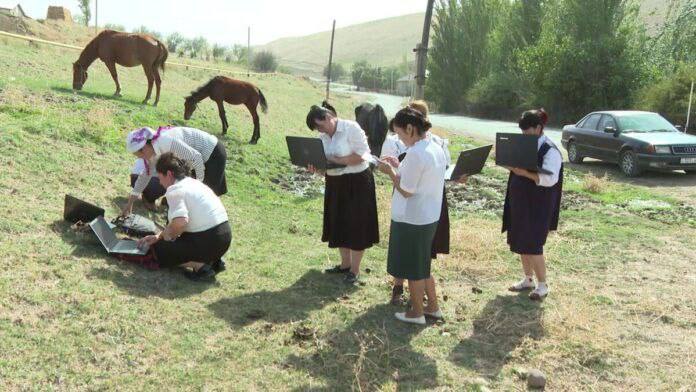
(192, 199)
(190, 144)
(348, 139)
(392, 146)
(442, 142)
(552, 162)
(138, 167)
(423, 175)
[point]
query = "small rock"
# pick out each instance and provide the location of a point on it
(476, 290)
(445, 298)
(367, 270)
(536, 379)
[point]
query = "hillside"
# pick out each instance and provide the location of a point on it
(382, 42)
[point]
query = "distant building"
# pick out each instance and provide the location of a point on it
(16, 11)
(405, 85)
(59, 13)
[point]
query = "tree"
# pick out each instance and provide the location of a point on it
(198, 47)
(86, 12)
(144, 30)
(219, 51)
(174, 41)
(265, 61)
(337, 72)
(113, 26)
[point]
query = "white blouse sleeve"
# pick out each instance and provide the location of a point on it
(411, 171)
(358, 142)
(552, 162)
(189, 154)
(389, 148)
(177, 205)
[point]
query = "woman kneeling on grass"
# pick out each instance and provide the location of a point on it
(532, 205)
(416, 204)
(198, 233)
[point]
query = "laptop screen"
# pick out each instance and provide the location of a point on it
(103, 232)
(78, 210)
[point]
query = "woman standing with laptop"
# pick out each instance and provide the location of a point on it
(416, 205)
(350, 205)
(532, 206)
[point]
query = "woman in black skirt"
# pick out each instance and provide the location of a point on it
(416, 206)
(198, 233)
(203, 152)
(532, 206)
(350, 204)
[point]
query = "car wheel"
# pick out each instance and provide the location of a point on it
(573, 154)
(629, 163)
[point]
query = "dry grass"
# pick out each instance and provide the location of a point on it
(595, 184)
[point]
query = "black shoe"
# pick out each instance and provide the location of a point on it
(218, 266)
(350, 278)
(204, 274)
(336, 270)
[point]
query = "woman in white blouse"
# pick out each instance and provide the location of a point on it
(203, 152)
(416, 204)
(350, 204)
(198, 233)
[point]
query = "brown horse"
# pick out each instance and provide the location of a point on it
(235, 92)
(128, 50)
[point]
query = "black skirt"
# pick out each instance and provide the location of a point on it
(350, 211)
(441, 241)
(153, 191)
(204, 247)
(215, 170)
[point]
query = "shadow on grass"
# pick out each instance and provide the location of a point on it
(133, 278)
(501, 327)
(374, 350)
(312, 291)
(66, 90)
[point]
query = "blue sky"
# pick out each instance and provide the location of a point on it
(226, 22)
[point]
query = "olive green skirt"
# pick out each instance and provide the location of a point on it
(410, 250)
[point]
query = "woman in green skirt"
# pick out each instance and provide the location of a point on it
(416, 203)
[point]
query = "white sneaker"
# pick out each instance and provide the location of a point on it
(526, 283)
(436, 314)
(415, 320)
(541, 291)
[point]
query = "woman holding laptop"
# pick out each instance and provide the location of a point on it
(350, 205)
(532, 205)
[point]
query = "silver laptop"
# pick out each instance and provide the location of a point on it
(111, 243)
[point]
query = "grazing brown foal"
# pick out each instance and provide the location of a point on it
(128, 50)
(235, 92)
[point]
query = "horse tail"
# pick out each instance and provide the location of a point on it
(262, 100)
(162, 58)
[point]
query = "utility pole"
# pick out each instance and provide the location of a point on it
(328, 76)
(422, 53)
(249, 51)
(96, 16)
(688, 112)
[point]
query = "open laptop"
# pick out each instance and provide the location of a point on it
(518, 150)
(470, 162)
(305, 151)
(77, 210)
(111, 243)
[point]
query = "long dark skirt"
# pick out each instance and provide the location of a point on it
(350, 211)
(441, 241)
(153, 191)
(204, 247)
(215, 170)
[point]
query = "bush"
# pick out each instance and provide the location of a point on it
(670, 96)
(265, 62)
(499, 95)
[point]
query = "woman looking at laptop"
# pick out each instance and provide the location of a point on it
(198, 233)
(416, 206)
(203, 152)
(532, 205)
(350, 205)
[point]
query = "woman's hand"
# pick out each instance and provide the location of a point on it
(386, 168)
(392, 161)
(314, 170)
(128, 208)
(147, 241)
(462, 180)
(520, 172)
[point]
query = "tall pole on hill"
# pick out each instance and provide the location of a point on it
(328, 76)
(688, 112)
(96, 16)
(248, 51)
(422, 53)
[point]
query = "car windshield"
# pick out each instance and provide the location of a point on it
(645, 122)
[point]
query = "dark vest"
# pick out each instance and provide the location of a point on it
(535, 209)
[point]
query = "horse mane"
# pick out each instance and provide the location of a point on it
(202, 91)
(89, 53)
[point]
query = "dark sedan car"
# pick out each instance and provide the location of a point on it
(637, 141)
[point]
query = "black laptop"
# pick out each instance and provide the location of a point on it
(77, 210)
(470, 162)
(518, 150)
(305, 151)
(111, 243)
